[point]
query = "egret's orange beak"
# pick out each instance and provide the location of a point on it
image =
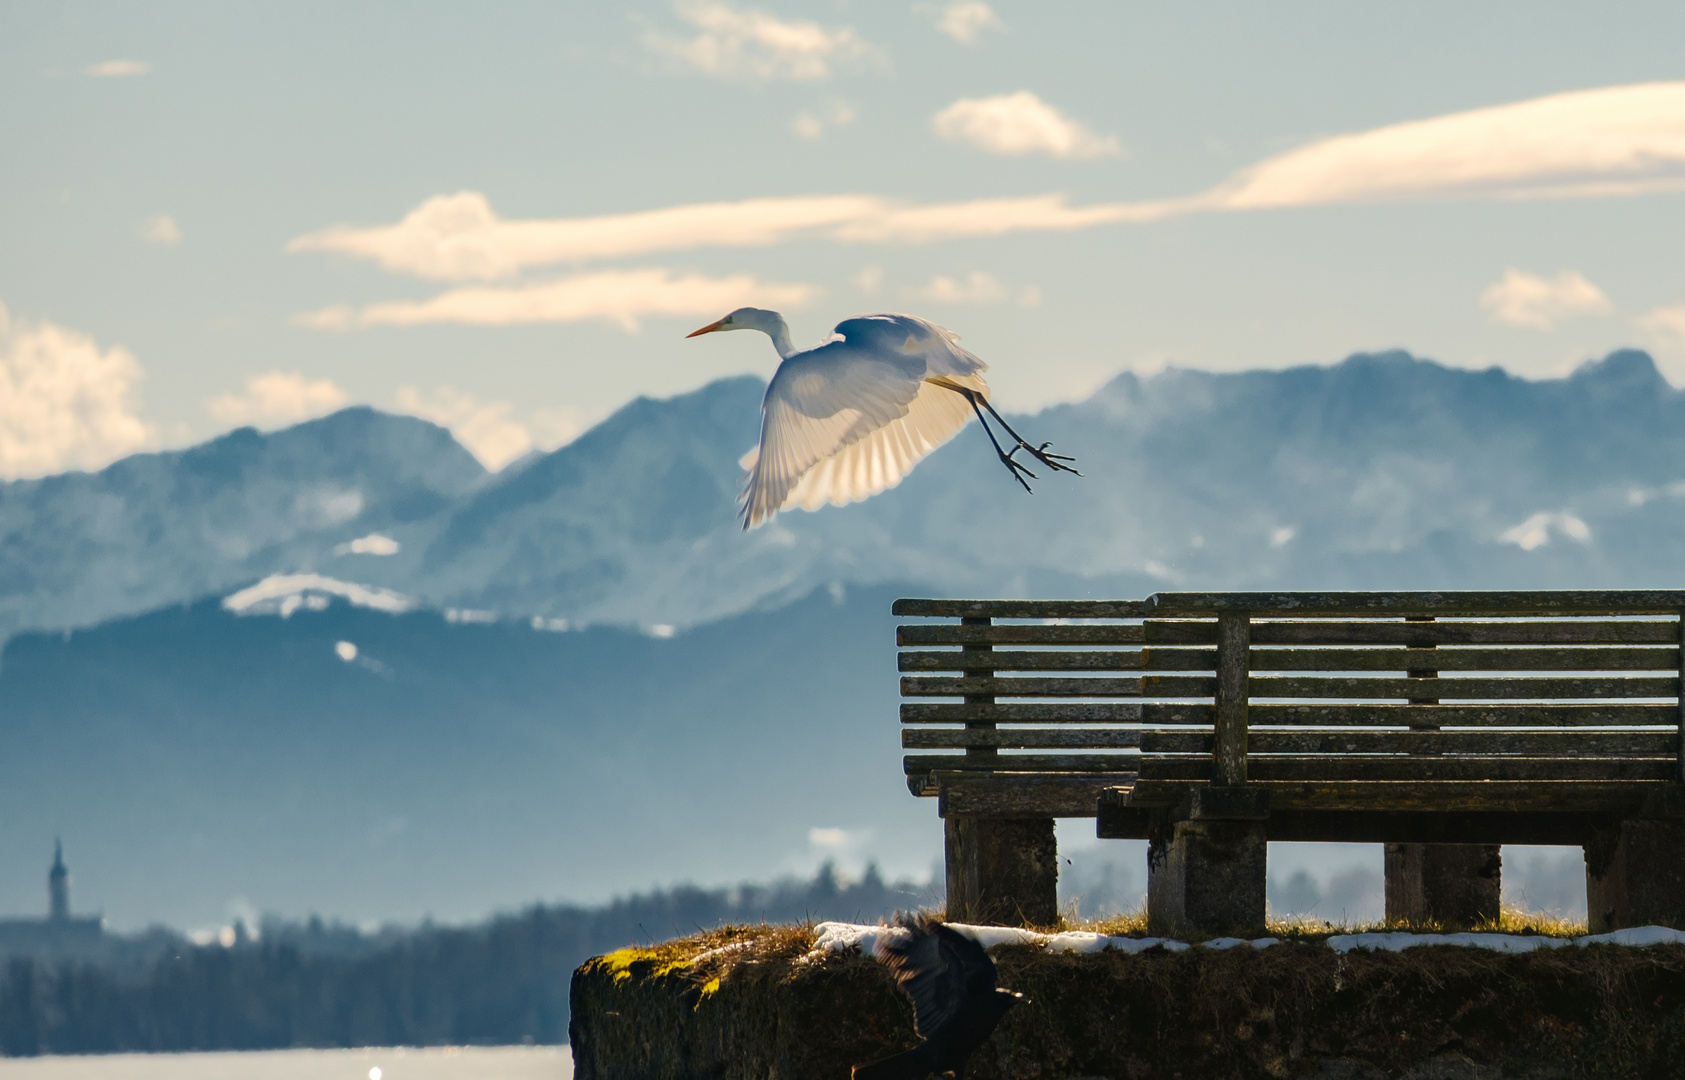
(709, 329)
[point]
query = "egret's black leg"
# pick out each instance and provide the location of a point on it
(1012, 466)
(1038, 452)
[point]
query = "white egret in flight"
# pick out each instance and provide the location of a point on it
(851, 416)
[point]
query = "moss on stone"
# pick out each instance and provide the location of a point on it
(755, 1003)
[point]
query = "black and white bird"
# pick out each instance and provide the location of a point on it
(956, 1004)
(851, 416)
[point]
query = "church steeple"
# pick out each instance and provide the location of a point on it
(58, 886)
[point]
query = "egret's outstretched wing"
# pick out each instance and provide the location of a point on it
(881, 458)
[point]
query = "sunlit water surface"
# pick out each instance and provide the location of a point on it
(399, 1063)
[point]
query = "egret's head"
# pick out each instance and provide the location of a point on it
(744, 318)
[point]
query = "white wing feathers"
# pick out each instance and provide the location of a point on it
(852, 417)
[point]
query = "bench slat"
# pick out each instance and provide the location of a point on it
(962, 686)
(1541, 744)
(1394, 604)
(1021, 738)
(1000, 660)
(1320, 767)
(1021, 609)
(1022, 634)
(1066, 763)
(1038, 713)
(1457, 659)
(1598, 715)
(1159, 659)
(1576, 632)
(1359, 687)
(1049, 795)
(1420, 796)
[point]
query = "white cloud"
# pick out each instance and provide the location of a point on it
(1019, 124)
(161, 229)
(117, 69)
(1666, 323)
(1523, 299)
(488, 429)
(619, 296)
(733, 43)
(1617, 141)
(977, 287)
(276, 399)
(64, 403)
(965, 20)
(811, 124)
(869, 280)
(1535, 531)
(345, 650)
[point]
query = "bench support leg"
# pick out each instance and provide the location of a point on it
(1448, 884)
(1207, 877)
(1635, 876)
(1002, 871)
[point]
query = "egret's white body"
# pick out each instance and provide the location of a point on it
(850, 417)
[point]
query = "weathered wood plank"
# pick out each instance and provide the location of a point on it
(1345, 715)
(1023, 796)
(1025, 738)
(950, 686)
(1025, 763)
(1021, 634)
(1385, 604)
(1459, 659)
(1577, 631)
(1540, 744)
(1157, 658)
(1229, 733)
(1119, 821)
(1021, 609)
(1460, 688)
(1419, 796)
(1000, 660)
(1025, 713)
(1285, 768)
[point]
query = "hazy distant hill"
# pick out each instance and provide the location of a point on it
(193, 759)
(1382, 470)
(158, 529)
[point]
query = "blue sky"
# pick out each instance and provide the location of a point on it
(203, 206)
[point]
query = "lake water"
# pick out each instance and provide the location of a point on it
(394, 1063)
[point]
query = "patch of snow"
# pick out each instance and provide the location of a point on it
(282, 594)
(1637, 937)
(372, 544)
(838, 936)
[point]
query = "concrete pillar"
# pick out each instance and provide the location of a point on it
(1207, 878)
(1635, 876)
(1447, 884)
(1002, 871)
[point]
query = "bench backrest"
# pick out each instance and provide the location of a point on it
(1057, 700)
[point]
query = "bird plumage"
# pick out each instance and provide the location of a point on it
(956, 1003)
(851, 416)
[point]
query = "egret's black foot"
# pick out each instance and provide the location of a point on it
(1040, 453)
(1017, 469)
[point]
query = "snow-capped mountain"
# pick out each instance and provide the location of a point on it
(1382, 470)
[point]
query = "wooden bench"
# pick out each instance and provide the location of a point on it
(1439, 724)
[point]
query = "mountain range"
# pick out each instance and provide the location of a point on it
(340, 667)
(1381, 470)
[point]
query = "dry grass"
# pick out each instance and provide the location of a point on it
(1512, 920)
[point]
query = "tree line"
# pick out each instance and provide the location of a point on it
(317, 985)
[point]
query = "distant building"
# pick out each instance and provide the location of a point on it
(60, 932)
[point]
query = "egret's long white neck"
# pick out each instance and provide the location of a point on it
(779, 331)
